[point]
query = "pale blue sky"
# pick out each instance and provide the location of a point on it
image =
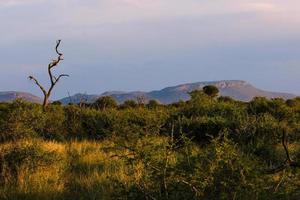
(150, 44)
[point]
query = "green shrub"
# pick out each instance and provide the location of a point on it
(105, 102)
(22, 121)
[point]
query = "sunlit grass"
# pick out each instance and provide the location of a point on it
(90, 168)
(107, 170)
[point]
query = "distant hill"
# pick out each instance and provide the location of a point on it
(12, 95)
(237, 89)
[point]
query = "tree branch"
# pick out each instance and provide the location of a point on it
(60, 76)
(56, 48)
(38, 84)
(285, 146)
(277, 169)
(288, 162)
(55, 62)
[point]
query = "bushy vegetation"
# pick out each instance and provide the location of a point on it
(205, 148)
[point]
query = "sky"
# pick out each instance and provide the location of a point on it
(129, 45)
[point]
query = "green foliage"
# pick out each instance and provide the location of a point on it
(152, 104)
(105, 102)
(276, 107)
(53, 120)
(225, 99)
(129, 104)
(58, 103)
(21, 121)
(88, 123)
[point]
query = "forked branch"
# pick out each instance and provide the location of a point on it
(53, 79)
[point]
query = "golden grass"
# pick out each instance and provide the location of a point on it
(87, 165)
(96, 170)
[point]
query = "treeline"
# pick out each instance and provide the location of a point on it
(202, 117)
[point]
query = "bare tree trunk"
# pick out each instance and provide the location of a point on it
(46, 101)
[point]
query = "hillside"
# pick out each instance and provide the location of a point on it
(12, 95)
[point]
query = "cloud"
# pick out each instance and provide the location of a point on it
(95, 18)
(11, 3)
(263, 7)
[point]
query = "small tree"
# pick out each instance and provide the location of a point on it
(153, 103)
(53, 79)
(211, 90)
(129, 104)
(105, 102)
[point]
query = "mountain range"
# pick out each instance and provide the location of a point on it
(237, 89)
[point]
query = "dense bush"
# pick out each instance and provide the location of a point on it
(129, 104)
(248, 123)
(22, 120)
(105, 102)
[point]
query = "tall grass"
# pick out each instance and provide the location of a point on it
(146, 169)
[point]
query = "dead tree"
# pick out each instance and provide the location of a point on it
(53, 79)
(288, 161)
